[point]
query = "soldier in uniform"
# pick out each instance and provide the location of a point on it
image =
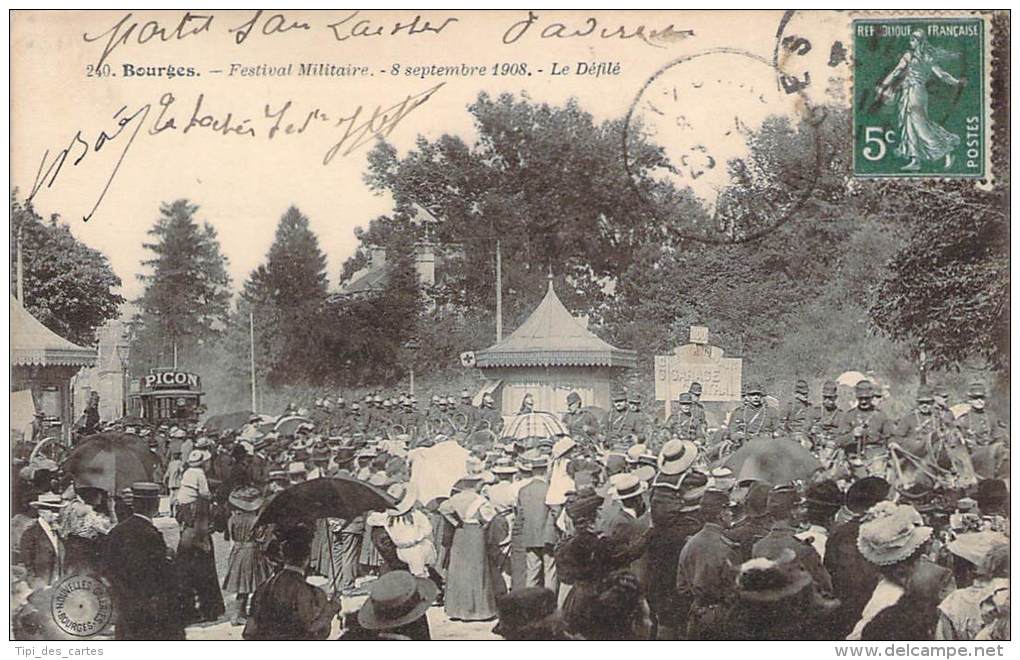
(642, 424)
(752, 420)
(619, 424)
(488, 417)
(468, 410)
(978, 426)
(580, 423)
(698, 408)
(798, 416)
(684, 423)
(827, 417)
(865, 430)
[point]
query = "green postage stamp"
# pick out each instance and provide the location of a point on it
(919, 97)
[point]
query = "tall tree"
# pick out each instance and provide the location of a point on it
(547, 180)
(186, 301)
(68, 286)
(947, 294)
(287, 295)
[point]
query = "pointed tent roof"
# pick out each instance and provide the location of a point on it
(551, 337)
(33, 344)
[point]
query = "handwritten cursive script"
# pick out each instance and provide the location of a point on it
(358, 128)
(590, 27)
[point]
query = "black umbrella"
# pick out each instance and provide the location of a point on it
(328, 497)
(111, 461)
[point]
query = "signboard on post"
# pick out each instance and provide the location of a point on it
(719, 376)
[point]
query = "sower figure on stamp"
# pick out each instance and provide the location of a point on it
(920, 138)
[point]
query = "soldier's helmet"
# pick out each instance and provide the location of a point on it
(924, 394)
(864, 389)
(685, 398)
(695, 388)
(976, 391)
(755, 388)
(829, 388)
(573, 398)
(801, 388)
(619, 394)
(634, 397)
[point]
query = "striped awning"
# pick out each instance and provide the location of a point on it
(35, 345)
(552, 337)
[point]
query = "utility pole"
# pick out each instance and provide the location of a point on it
(21, 290)
(251, 355)
(499, 293)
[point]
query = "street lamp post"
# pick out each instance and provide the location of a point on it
(411, 346)
(123, 354)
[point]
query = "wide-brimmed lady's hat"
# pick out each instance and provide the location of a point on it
(406, 496)
(626, 486)
(197, 457)
(677, 456)
(396, 599)
(763, 580)
(891, 533)
(562, 446)
(247, 499)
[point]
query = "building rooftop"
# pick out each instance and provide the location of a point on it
(552, 337)
(33, 344)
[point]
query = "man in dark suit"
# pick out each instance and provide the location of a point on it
(145, 594)
(781, 506)
(286, 607)
(533, 527)
(41, 549)
(853, 577)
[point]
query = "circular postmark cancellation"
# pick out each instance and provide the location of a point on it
(81, 605)
(716, 152)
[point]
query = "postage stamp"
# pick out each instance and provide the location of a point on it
(919, 97)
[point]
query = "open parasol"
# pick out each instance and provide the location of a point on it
(534, 425)
(227, 421)
(111, 461)
(774, 461)
(328, 497)
(288, 424)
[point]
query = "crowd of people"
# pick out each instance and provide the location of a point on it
(618, 528)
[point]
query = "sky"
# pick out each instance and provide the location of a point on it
(244, 183)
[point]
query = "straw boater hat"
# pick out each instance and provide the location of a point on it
(645, 473)
(48, 501)
(396, 599)
(677, 456)
(763, 580)
(246, 499)
(296, 469)
(504, 466)
(891, 533)
(626, 486)
(197, 457)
